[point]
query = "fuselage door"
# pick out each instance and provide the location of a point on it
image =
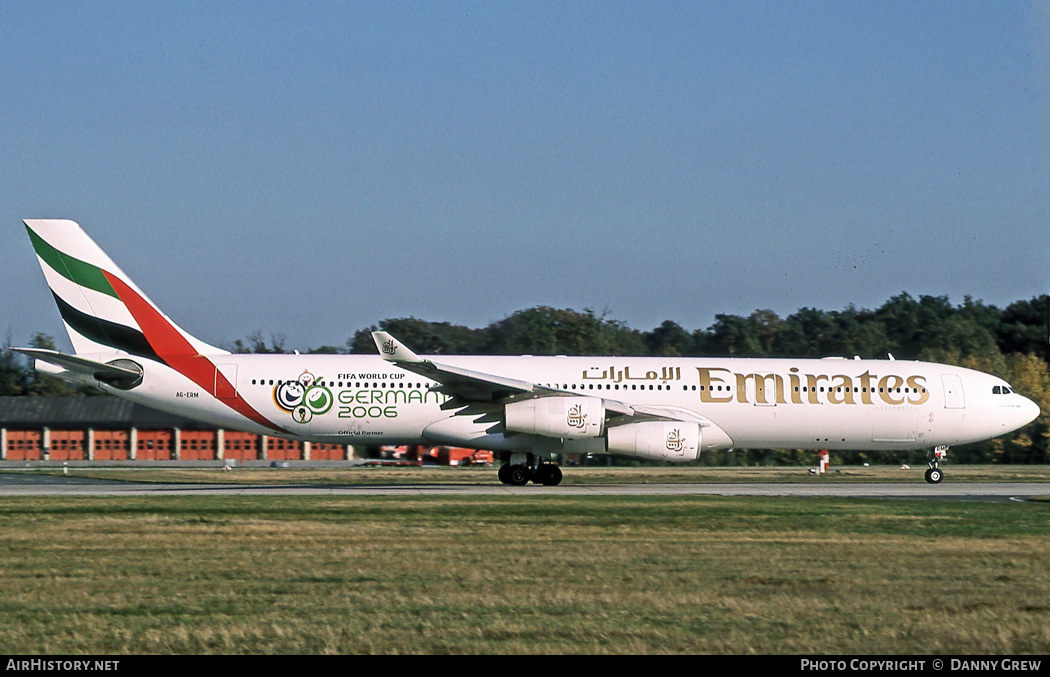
(225, 381)
(767, 389)
(953, 391)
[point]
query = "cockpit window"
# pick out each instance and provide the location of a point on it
(996, 390)
(1002, 390)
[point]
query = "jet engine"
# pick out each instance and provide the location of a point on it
(565, 417)
(656, 440)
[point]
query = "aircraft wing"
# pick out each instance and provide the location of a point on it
(471, 385)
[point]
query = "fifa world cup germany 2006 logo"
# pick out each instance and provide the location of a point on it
(303, 398)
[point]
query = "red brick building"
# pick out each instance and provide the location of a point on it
(113, 429)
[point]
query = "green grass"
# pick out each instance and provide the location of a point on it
(516, 575)
(365, 475)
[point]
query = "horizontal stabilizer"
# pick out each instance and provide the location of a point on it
(107, 373)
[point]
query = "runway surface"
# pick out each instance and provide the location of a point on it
(20, 484)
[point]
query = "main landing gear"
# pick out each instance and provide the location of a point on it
(934, 474)
(517, 473)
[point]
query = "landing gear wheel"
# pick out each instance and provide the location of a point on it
(518, 475)
(934, 474)
(504, 473)
(548, 474)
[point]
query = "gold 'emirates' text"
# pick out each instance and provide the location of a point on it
(867, 388)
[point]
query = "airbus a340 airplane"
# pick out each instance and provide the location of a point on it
(525, 408)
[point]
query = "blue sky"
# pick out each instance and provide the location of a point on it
(308, 169)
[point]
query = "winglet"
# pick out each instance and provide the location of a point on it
(470, 385)
(393, 350)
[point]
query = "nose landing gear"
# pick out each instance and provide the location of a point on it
(934, 474)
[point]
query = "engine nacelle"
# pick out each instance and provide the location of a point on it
(566, 417)
(656, 440)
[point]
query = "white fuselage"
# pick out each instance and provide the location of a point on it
(651, 408)
(739, 402)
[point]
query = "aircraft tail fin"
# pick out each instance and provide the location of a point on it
(103, 310)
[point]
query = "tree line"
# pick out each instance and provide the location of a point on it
(1010, 342)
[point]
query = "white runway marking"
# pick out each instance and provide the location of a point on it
(12, 484)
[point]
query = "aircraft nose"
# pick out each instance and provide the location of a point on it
(1030, 411)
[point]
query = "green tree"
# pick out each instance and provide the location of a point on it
(734, 336)
(549, 331)
(1024, 327)
(13, 374)
(256, 344)
(423, 337)
(668, 339)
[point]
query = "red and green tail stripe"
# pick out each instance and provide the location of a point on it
(155, 338)
(73, 269)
